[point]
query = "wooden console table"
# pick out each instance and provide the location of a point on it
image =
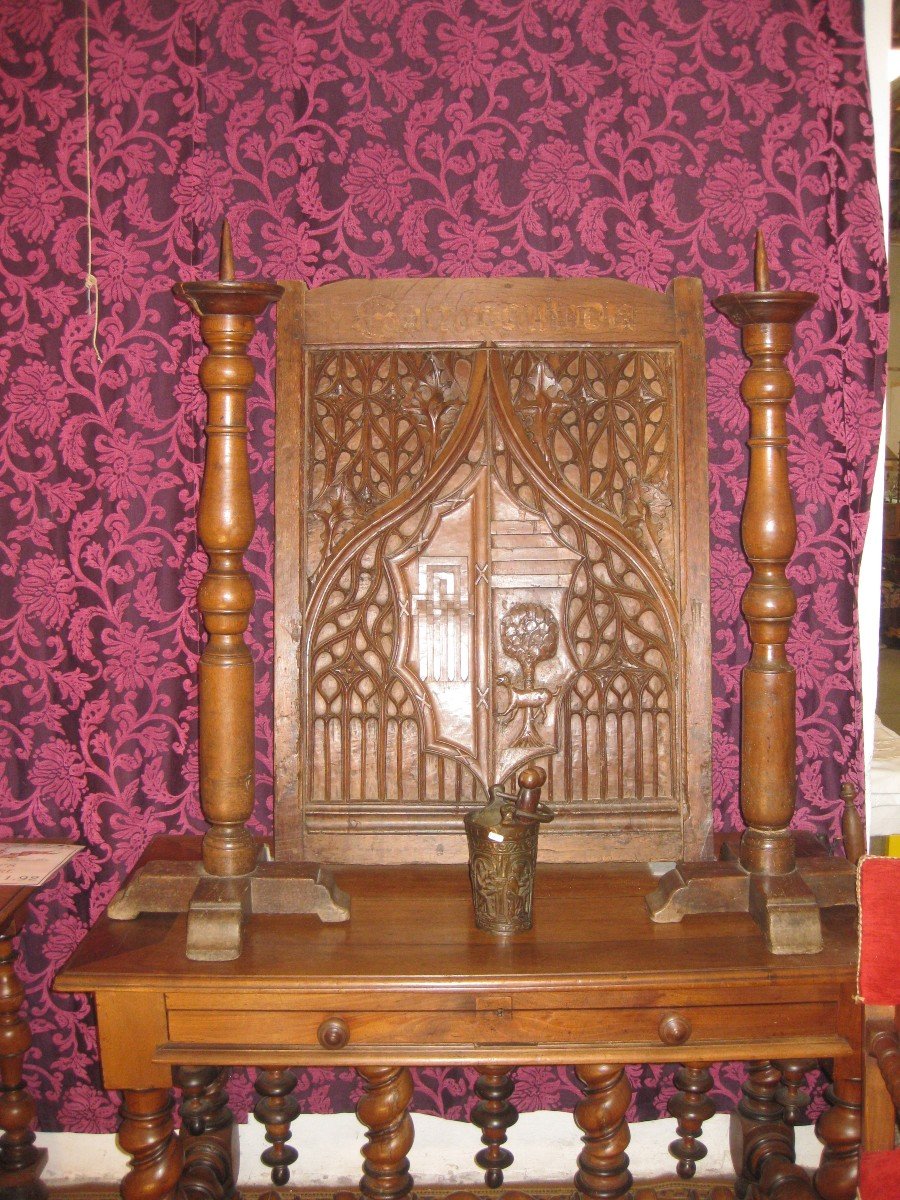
(21, 1162)
(409, 981)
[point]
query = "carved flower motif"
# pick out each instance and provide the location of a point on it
(292, 250)
(131, 656)
(287, 53)
(121, 265)
(821, 75)
(84, 1109)
(645, 258)
(126, 464)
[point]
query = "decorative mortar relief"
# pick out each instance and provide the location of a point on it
(490, 582)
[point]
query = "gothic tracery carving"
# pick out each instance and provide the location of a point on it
(491, 619)
(602, 423)
(380, 419)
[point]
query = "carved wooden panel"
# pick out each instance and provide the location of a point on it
(488, 576)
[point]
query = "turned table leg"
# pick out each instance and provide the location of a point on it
(276, 1109)
(384, 1110)
(493, 1114)
(839, 1128)
(691, 1107)
(208, 1135)
(792, 1096)
(757, 1112)
(147, 1134)
(603, 1164)
(21, 1162)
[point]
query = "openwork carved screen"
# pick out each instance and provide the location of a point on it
(486, 539)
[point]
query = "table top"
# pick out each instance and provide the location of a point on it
(413, 928)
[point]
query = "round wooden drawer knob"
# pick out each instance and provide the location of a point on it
(334, 1034)
(673, 1030)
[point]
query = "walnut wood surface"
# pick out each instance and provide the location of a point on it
(839, 1128)
(496, 562)
(147, 1134)
(784, 895)
(489, 554)
(208, 1136)
(12, 902)
(415, 982)
(384, 1111)
(494, 1114)
(758, 1109)
(792, 1096)
(881, 1067)
(885, 1049)
(690, 1106)
(228, 310)
(767, 319)
(21, 1161)
(276, 1109)
(603, 1164)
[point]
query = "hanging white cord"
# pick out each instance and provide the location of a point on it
(90, 279)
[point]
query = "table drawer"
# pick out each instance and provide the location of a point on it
(339, 1031)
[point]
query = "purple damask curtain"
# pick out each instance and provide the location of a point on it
(637, 138)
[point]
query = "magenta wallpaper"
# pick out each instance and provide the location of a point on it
(637, 138)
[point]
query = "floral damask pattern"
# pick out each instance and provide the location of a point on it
(638, 138)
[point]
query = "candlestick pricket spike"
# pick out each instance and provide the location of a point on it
(783, 892)
(234, 877)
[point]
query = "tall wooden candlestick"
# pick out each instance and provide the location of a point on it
(769, 532)
(782, 893)
(231, 881)
(228, 310)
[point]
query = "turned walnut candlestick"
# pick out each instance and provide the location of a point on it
(766, 319)
(232, 880)
(228, 310)
(783, 895)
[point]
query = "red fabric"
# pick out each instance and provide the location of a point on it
(879, 1175)
(879, 944)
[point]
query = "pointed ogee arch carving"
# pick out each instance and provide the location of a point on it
(487, 569)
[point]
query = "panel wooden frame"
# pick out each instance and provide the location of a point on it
(509, 314)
